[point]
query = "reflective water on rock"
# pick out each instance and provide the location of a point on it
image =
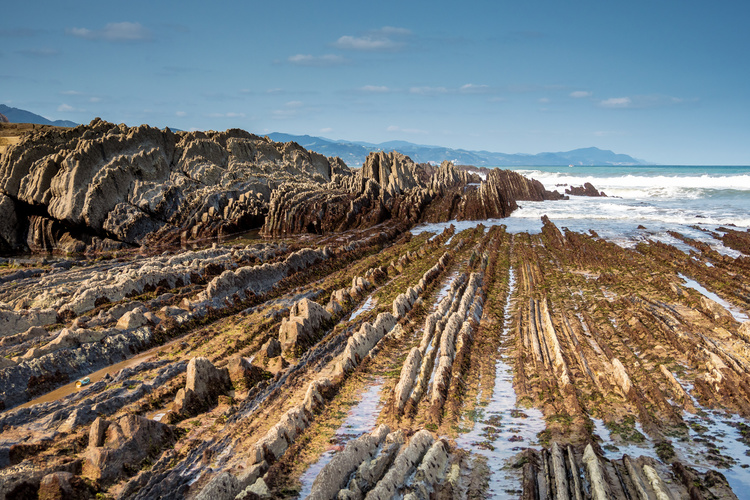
(501, 428)
(360, 420)
(367, 306)
(736, 312)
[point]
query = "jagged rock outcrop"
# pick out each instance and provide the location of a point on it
(101, 185)
(587, 189)
(125, 443)
(4, 119)
(128, 183)
(305, 318)
(204, 384)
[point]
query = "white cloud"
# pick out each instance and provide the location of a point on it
(180, 113)
(67, 108)
(95, 99)
(616, 102)
(644, 102)
(471, 88)
(543, 100)
(580, 94)
(326, 130)
(385, 39)
(114, 32)
(375, 89)
(326, 60)
(71, 92)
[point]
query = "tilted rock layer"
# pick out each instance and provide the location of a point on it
(103, 186)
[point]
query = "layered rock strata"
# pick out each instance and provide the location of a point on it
(104, 187)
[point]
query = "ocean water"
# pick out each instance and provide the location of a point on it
(659, 198)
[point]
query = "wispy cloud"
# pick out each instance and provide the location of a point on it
(180, 113)
(66, 108)
(375, 89)
(643, 102)
(396, 128)
(115, 32)
(580, 94)
(324, 61)
(40, 53)
(472, 88)
(291, 109)
(230, 114)
(385, 39)
(616, 102)
(326, 130)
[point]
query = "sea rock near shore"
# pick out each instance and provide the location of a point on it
(587, 189)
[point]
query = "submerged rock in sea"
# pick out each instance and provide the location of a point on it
(587, 189)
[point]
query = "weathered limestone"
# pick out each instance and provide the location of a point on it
(404, 464)
(714, 309)
(305, 317)
(596, 478)
(203, 386)
(13, 322)
(621, 376)
(335, 475)
(113, 446)
(409, 373)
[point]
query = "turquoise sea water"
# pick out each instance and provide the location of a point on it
(659, 198)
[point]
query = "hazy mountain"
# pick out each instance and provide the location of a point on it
(354, 153)
(16, 115)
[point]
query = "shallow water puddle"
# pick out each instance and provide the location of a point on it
(736, 312)
(367, 306)
(713, 442)
(614, 450)
(360, 420)
(444, 290)
(502, 429)
(716, 443)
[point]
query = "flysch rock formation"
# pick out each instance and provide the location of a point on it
(341, 356)
(104, 186)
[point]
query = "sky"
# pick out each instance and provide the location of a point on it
(665, 81)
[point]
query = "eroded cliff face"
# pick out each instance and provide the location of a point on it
(102, 186)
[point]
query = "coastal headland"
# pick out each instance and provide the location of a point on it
(253, 319)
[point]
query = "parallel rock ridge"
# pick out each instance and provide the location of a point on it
(103, 186)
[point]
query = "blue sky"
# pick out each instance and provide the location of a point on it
(666, 81)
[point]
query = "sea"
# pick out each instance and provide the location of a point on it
(692, 200)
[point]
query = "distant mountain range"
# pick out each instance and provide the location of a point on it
(15, 115)
(354, 153)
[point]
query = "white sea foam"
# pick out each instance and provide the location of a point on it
(638, 186)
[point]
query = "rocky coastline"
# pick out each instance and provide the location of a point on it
(246, 352)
